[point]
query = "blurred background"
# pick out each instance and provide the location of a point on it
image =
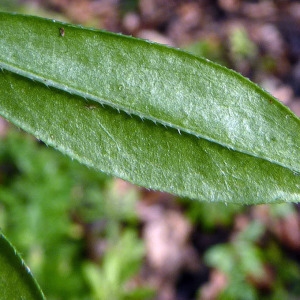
(89, 236)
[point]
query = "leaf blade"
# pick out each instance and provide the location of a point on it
(154, 82)
(140, 151)
(16, 281)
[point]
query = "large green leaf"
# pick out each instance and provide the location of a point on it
(170, 121)
(16, 281)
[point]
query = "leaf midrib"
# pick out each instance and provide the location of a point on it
(75, 91)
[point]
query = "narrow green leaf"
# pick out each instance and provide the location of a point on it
(16, 281)
(140, 151)
(170, 121)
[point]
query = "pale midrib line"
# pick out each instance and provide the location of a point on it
(102, 101)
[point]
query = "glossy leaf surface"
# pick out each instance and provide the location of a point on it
(170, 121)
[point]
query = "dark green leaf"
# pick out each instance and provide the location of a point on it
(170, 121)
(16, 281)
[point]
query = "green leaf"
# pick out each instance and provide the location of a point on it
(16, 281)
(168, 120)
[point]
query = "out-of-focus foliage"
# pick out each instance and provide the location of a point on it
(255, 271)
(241, 47)
(9, 5)
(210, 49)
(47, 202)
(120, 263)
(210, 215)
